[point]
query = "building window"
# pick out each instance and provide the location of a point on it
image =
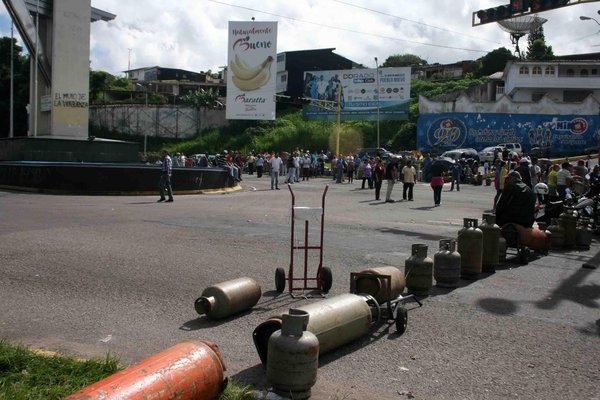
(570, 72)
(594, 71)
(283, 78)
(537, 70)
(524, 70)
(535, 97)
(280, 57)
(575, 96)
(549, 70)
(584, 72)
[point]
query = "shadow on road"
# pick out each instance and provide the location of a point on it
(424, 236)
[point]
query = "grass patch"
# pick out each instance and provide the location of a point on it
(28, 376)
(25, 375)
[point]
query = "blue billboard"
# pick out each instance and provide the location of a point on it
(361, 94)
(550, 135)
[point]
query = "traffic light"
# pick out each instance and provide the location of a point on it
(543, 5)
(519, 6)
(493, 14)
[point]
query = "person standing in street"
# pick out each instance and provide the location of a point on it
(165, 177)
(391, 174)
(456, 170)
(260, 161)
(366, 173)
(378, 173)
(436, 172)
(409, 175)
(275, 163)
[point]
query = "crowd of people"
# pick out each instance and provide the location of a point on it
(520, 181)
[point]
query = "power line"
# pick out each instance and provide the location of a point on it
(415, 22)
(348, 30)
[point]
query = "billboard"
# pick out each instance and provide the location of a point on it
(251, 70)
(356, 92)
(550, 135)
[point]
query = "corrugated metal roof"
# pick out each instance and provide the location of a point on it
(44, 7)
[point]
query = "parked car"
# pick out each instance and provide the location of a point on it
(490, 153)
(373, 152)
(512, 147)
(457, 154)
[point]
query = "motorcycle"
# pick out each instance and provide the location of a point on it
(586, 205)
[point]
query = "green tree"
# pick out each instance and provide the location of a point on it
(494, 61)
(202, 99)
(403, 60)
(20, 85)
(540, 51)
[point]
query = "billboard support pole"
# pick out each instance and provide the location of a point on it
(339, 111)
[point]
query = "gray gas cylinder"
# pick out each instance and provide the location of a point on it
(584, 235)
(418, 269)
(377, 287)
(227, 298)
(293, 357)
(557, 240)
(470, 247)
(501, 249)
(446, 264)
(335, 321)
(568, 221)
(491, 241)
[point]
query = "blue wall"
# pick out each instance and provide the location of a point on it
(559, 135)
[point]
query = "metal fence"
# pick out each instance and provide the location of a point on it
(166, 121)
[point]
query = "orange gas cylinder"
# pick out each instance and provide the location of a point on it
(190, 370)
(533, 238)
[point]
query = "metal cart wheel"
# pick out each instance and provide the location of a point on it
(401, 320)
(280, 279)
(326, 279)
(523, 255)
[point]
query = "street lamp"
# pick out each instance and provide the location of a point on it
(378, 103)
(584, 18)
(146, 89)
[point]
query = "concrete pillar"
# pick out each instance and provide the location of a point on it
(70, 68)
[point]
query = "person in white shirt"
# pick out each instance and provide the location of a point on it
(275, 164)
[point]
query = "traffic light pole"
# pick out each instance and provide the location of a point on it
(518, 8)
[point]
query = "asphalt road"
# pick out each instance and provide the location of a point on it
(89, 275)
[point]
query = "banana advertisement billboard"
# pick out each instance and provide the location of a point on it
(358, 94)
(251, 70)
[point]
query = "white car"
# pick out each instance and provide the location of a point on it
(512, 147)
(489, 154)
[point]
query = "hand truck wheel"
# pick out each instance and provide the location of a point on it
(401, 320)
(326, 279)
(280, 279)
(523, 255)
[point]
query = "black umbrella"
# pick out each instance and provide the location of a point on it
(441, 164)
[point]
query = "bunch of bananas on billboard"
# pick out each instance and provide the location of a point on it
(247, 77)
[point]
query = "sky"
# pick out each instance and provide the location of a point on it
(192, 34)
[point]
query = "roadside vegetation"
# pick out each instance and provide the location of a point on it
(30, 375)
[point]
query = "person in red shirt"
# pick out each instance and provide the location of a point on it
(378, 173)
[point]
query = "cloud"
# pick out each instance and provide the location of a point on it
(192, 35)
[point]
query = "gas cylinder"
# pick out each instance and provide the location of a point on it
(335, 321)
(557, 238)
(491, 238)
(377, 287)
(227, 298)
(293, 357)
(568, 221)
(446, 264)
(418, 269)
(583, 236)
(501, 249)
(186, 371)
(470, 247)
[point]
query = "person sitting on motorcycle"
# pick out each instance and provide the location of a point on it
(516, 203)
(594, 179)
(563, 180)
